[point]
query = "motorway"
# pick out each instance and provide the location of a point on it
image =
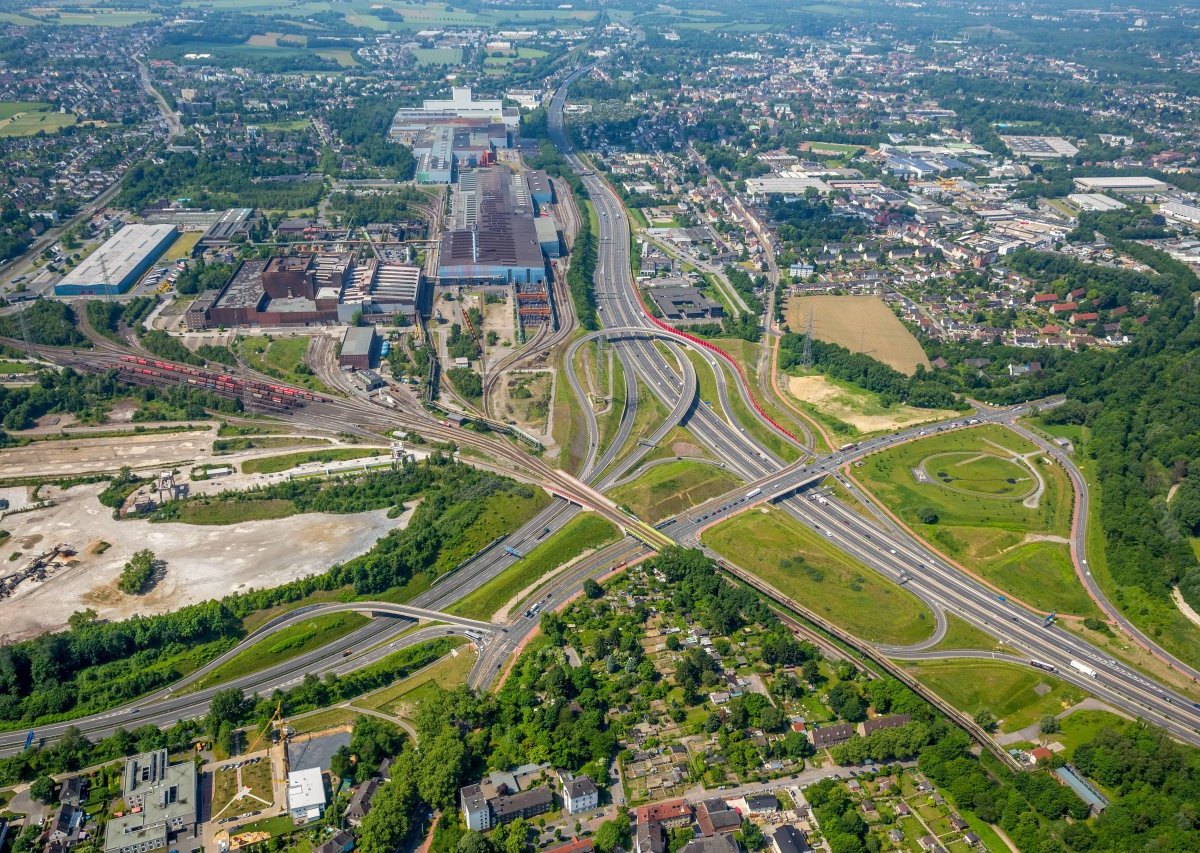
(885, 548)
(369, 644)
(888, 550)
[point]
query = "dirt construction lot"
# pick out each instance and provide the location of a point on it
(202, 562)
(858, 409)
(73, 456)
(860, 324)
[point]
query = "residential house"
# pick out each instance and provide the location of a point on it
(714, 816)
(579, 845)
(73, 791)
(890, 722)
(670, 813)
(340, 842)
(63, 828)
(789, 839)
(711, 844)
(650, 838)
(762, 803)
(828, 736)
(579, 794)
(360, 801)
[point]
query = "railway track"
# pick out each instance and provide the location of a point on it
(541, 343)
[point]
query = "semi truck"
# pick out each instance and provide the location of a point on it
(1083, 668)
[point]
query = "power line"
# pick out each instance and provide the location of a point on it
(806, 358)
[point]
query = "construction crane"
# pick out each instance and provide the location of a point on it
(276, 721)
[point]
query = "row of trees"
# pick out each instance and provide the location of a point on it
(923, 390)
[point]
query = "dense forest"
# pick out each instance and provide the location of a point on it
(213, 182)
(364, 127)
(47, 322)
(391, 206)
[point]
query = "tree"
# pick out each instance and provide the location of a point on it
(592, 589)
(1048, 724)
(986, 720)
(473, 842)
(227, 706)
(138, 574)
(82, 619)
(611, 834)
(387, 824)
(752, 836)
(771, 719)
(43, 789)
(927, 515)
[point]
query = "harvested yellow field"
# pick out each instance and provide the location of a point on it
(860, 324)
(858, 408)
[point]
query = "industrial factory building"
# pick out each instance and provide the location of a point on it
(357, 348)
(448, 135)
(493, 238)
(121, 261)
(301, 290)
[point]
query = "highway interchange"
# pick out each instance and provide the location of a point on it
(883, 547)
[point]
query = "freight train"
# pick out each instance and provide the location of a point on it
(150, 371)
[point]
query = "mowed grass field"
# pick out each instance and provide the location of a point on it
(860, 324)
(284, 645)
(274, 464)
(438, 55)
(584, 532)
(961, 634)
(1017, 696)
(26, 118)
(669, 489)
(982, 518)
(830, 583)
(404, 697)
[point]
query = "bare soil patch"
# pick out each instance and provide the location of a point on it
(202, 562)
(858, 410)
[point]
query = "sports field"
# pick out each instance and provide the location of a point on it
(803, 566)
(860, 324)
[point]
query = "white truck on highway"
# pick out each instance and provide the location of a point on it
(1083, 668)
